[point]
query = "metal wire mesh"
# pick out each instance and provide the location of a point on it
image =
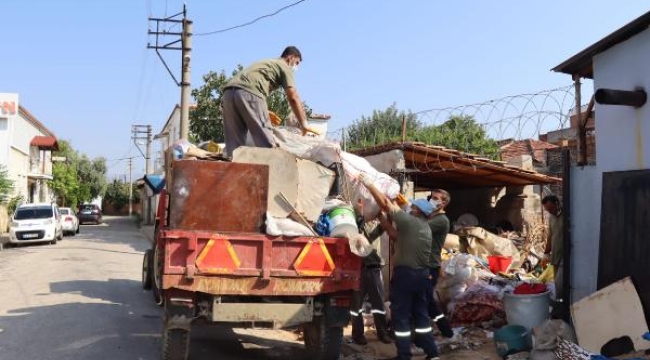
(497, 121)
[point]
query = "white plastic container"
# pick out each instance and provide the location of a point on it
(342, 221)
(527, 310)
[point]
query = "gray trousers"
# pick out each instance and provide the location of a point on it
(245, 113)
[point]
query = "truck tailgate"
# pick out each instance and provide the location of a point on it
(257, 264)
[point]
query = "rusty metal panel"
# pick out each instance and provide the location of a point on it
(218, 196)
(281, 315)
(255, 285)
(624, 228)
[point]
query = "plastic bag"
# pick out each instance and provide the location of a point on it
(180, 147)
(286, 227)
(359, 245)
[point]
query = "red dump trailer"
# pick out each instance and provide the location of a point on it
(211, 262)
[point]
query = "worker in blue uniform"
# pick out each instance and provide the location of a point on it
(410, 280)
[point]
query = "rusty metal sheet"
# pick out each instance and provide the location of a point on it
(218, 196)
(281, 315)
(237, 285)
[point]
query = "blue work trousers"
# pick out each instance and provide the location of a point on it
(409, 305)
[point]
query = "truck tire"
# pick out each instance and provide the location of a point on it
(156, 275)
(147, 261)
(175, 344)
(321, 341)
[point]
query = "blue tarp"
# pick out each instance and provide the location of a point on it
(155, 182)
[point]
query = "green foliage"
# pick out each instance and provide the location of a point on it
(206, 119)
(92, 177)
(13, 203)
(381, 127)
(77, 179)
(6, 184)
(65, 182)
(458, 132)
(117, 193)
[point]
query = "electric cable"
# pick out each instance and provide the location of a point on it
(252, 21)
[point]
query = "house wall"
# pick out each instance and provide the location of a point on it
(622, 143)
(4, 141)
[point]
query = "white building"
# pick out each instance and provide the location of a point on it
(610, 215)
(26, 147)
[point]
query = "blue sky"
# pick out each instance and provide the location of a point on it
(82, 67)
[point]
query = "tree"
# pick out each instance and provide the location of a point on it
(6, 184)
(206, 118)
(92, 178)
(381, 127)
(117, 194)
(460, 132)
(65, 183)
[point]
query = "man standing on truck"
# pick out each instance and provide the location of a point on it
(410, 281)
(245, 109)
(372, 284)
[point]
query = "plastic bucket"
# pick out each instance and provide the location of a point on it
(527, 310)
(342, 221)
(510, 339)
(499, 263)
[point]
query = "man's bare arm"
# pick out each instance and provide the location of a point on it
(296, 106)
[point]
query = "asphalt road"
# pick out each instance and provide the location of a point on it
(83, 299)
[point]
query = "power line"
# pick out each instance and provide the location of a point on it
(252, 21)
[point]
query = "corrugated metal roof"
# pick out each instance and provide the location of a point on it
(581, 63)
(438, 167)
(45, 143)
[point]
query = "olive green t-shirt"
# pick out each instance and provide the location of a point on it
(263, 77)
(439, 225)
(557, 239)
(413, 246)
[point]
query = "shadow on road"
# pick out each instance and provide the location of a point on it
(115, 230)
(207, 341)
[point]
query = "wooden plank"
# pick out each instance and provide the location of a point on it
(610, 313)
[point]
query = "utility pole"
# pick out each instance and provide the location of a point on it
(186, 49)
(143, 132)
(130, 187)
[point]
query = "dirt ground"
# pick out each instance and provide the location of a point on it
(470, 344)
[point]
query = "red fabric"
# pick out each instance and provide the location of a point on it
(528, 289)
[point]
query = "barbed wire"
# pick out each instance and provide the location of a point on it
(496, 123)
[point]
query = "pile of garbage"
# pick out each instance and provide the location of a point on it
(313, 185)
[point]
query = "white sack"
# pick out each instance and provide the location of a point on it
(286, 227)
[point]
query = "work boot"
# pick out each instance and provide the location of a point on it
(358, 330)
(444, 326)
(382, 329)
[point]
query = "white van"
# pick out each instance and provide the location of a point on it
(39, 222)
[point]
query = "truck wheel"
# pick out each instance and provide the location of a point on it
(175, 344)
(147, 261)
(322, 342)
(157, 269)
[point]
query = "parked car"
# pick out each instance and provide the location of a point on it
(90, 213)
(69, 221)
(32, 223)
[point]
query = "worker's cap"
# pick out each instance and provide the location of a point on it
(423, 205)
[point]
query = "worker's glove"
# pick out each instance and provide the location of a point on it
(366, 180)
